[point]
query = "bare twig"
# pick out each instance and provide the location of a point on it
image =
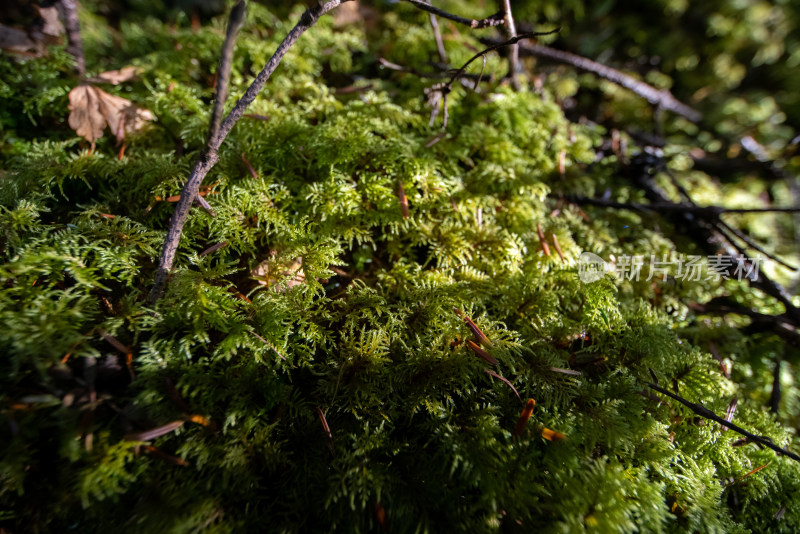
(224, 70)
(706, 232)
(657, 97)
(779, 324)
(435, 75)
(213, 248)
(210, 155)
(437, 35)
(702, 411)
(712, 213)
(497, 46)
(69, 12)
(511, 32)
(672, 206)
(726, 229)
(494, 20)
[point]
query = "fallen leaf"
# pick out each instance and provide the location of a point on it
(52, 28)
(93, 109)
(116, 77)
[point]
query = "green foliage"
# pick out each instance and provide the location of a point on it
(326, 300)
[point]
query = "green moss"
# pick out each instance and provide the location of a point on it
(369, 336)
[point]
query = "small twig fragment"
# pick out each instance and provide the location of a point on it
(327, 429)
(249, 166)
(511, 32)
(505, 380)
(702, 411)
(114, 342)
(477, 332)
(754, 471)
(657, 97)
(494, 20)
(213, 248)
(205, 205)
(154, 433)
(730, 413)
(558, 248)
(542, 239)
(565, 371)
(268, 344)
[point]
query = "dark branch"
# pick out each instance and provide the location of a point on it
(224, 71)
(704, 412)
(511, 32)
(705, 231)
(779, 324)
(494, 20)
(69, 12)
(660, 98)
(726, 229)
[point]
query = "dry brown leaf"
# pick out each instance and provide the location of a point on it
(92, 109)
(116, 77)
(52, 23)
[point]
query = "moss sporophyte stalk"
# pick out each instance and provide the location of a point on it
(427, 268)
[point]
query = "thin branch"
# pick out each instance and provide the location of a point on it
(224, 71)
(494, 20)
(705, 232)
(779, 324)
(444, 88)
(497, 46)
(704, 412)
(69, 12)
(511, 32)
(673, 206)
(726, 230)
(710, 212)
(437, 36)
(421, 74)
(657, 97)
(210, 156)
